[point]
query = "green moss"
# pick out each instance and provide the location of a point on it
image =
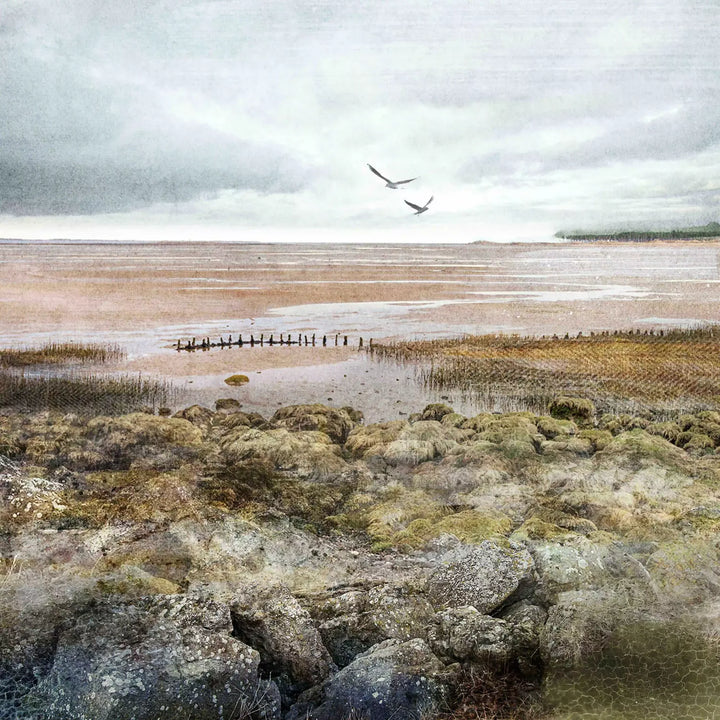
(237, 380)
(470, 526)
(598, 438)
(536, 529)
(699, 442)
(551, 427)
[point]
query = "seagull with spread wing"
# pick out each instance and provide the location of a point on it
(393, 185)
(419, 210)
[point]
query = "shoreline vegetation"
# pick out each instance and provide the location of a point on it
(657, 373)
(56, 377)
(711, 231)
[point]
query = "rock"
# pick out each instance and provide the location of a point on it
(355, 620)
(163, 658)
(336, 424)
(228, 405)
(579, 625)
(466, 635)
(484, 576)
(237, 380)
(571, 408)
(196, 414)
(393, 680)
(436, 411)
(526, 622)
(273, 622)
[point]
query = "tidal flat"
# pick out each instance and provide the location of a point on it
(144, 297)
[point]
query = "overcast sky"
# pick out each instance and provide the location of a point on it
(255, 119)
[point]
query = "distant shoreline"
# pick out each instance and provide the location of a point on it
(702, 233)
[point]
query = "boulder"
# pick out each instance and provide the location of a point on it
(484, 576)
(162, 658)
(273, 622)
(578, 626)
(354, 621)
(393, 680)
(464, 634)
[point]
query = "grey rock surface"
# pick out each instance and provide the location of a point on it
(393, 680)
(483, 576)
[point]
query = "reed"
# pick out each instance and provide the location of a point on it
(83, 393)
(659, 372)
(59, 353)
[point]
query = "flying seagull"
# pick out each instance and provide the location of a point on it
(390, 183)
(417, 208)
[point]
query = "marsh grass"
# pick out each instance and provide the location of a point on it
(89, 393)
(60, 353)
(658, 372)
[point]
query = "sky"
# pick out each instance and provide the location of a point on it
(255, 120)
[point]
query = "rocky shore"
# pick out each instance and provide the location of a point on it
(219, 564)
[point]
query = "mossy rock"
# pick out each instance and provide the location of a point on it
(336, 424)
(535, 528)
(572, 408)
(237, 380)
(669, 430)
(598, 438)
(436, 411)
(567, 445)
(699, 443)
(551, 427)
(469, 526)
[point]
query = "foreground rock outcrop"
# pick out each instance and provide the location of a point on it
(221, 564)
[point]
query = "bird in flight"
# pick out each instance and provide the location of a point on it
(390, 183)
(417, 208)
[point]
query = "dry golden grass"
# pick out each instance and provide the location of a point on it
(55, 353)
(674, 369)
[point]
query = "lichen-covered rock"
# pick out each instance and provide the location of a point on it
(354, 621)
(273, 622)
(526, 622)
(159, 659)
(484, 576)
(578, 626)
(336, 424)
(464, 634)
(393, 680)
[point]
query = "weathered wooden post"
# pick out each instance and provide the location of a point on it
(281, 339)
(240, 340)
(360, 345)
(270, 342)
(324, 340)
(313, 339)
(306, 340)
(345, 340)
(178, 344)
(252, 341)
(336, 340)
(262, 339)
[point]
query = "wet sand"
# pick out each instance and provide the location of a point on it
(147, 296)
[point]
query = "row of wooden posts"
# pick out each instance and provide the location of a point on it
(206, 343)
